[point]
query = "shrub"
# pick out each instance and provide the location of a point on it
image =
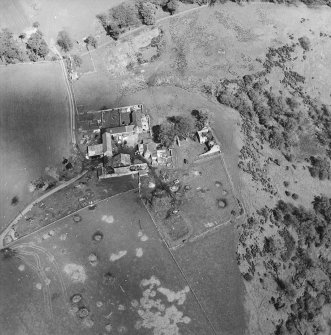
(22, 36)
(172, 6)
(113, 31)
(320, 168)
(92, 41)
(77, 60)
(201, 118)
(247, 276)
(305, 43)
(14, 200)
(295, 196)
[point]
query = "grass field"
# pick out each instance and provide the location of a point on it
(132, 285)
(76, 16)
(71, 199)
(212, 271)
(13, 16)
(34, 129)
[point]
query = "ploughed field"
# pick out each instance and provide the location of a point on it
(34, 129)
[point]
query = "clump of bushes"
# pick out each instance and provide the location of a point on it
(201, 118)
(295, 196)
(91, 41)
(64, 41)
(77, 60)
(320, 168)
(305, 43)
(181, 126)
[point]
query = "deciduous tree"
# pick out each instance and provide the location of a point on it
(10, 52)
(147, 12)
(172, 6)
(64, 41)
(37, 46)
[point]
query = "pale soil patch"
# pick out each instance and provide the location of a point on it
(75, 272)
(108, 218)
(139, 252)
(172, 296)
(119, 255)
(155, 314)
(143, 237)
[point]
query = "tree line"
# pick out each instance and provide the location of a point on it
(129, 15)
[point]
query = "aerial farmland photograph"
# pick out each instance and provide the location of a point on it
(165, 167)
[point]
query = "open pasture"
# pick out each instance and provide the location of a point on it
(34, 129)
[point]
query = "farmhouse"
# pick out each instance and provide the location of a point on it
(120, 125)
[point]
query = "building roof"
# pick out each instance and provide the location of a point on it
(110, 118)
(121, 160)
(122, 116)
(151, 147)
(95, 150)
(107, 144)
(120, 130)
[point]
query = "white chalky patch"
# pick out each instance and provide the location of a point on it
(151, 282)
(88, 323)
(108, 328)
(144, 238)
(140, 234)
(63, 237)
(47, 281)
(75, 272)
(115, 257)
(99, 304)
(153, 312)
(108, 218)
(38, 286)
(172, 296)
(139, 252)
(121, 307)
(21, 267)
